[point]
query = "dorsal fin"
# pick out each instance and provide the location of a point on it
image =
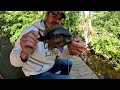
(52, 28)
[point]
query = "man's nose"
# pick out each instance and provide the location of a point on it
(57, 21)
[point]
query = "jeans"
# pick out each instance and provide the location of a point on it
(64, 66)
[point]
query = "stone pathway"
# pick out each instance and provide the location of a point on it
(80, 70)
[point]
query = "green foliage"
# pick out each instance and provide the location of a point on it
(73, 22)
(14, 22)
(107, 40)
(103, 68)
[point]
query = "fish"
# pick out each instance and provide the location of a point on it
(56, 37)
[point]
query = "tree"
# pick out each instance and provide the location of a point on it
(87, 27)
(107, 41)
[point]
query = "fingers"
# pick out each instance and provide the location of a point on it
(76, 39)
(77, 44)
(30, 37)
(34, 35)
(28, 42)
(75, 51)
(76, 47)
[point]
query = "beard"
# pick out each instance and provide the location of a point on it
(50, 24)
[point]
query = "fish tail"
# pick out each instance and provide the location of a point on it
(41, 37)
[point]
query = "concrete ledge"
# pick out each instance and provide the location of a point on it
(80, 70)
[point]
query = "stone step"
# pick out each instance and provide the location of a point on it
(80, 70)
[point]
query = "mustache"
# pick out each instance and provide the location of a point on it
(54, 23)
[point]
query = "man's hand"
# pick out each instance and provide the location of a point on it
(76, 47)
(28, 43)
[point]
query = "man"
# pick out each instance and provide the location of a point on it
(29, 53)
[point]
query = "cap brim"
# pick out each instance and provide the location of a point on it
(63, 14)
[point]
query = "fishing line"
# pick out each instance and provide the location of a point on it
(68, 66)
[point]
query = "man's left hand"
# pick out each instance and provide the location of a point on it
(76, 47)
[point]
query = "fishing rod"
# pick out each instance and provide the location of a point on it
(1, 76)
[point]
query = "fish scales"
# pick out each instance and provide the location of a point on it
(58, 37)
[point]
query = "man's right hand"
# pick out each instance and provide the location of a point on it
(28, 43)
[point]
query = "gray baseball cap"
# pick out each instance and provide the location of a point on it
(62, 12)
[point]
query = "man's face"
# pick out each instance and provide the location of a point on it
(53, 18)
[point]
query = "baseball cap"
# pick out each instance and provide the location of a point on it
(62, 12)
